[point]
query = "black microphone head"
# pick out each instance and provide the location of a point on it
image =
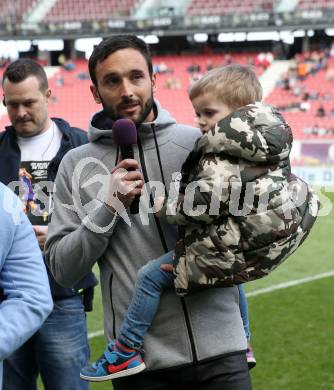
(124, 132)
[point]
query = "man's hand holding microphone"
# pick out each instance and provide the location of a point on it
(126, 181)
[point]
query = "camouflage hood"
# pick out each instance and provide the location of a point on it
(256, 132)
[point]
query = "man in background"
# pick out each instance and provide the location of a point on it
(30, 152)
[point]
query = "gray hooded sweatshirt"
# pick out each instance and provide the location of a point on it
(84, 231)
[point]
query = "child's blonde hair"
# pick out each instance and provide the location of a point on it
(235, 85)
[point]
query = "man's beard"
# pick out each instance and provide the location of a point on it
(147, 109)
(114, 116)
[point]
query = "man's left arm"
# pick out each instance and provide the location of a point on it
(26, 286)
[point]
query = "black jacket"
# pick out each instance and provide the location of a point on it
(10, 158)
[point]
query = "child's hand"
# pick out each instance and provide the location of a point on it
(167, 267)
(158, 203)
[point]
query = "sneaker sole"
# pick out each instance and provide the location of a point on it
(129, 371)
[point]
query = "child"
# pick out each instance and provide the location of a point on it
(221, 246)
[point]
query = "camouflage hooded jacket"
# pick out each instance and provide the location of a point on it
(240, 210)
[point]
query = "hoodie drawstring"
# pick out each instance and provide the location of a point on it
(159, 159)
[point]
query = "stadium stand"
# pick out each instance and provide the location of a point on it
(14, 11)
(310, 118)
(175, 96)
(311, 4)
(82, 10)
(72, 98)
(223, 7)
(301, 99)
(88, 10)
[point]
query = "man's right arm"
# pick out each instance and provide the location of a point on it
(72, 246)
(79, 234)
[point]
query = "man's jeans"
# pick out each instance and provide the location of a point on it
(57, 352)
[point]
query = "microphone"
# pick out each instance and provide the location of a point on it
(125, 135)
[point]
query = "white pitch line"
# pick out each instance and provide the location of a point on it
(296, 282)
(95, 334)
(261, 291)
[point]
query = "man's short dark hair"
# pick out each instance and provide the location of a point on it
(21, 69)
(115, 43)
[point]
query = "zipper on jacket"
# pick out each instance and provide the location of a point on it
(190, 333)
(164, 245)
(110, 281)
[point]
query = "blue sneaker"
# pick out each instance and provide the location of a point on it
(113, 364)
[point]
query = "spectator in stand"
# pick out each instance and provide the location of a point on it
(269, 58)
(329, 74)
(162, 68)
(227, 59)
(250, 61)
(194, 77)
(69, 65)
(83, 76)
(297, 90)
(305, 105)
(286, 82)
(59, 80)
(194, 68)
(263, 60)
(314, 95)
(209, 65)
(302, 70)
(306, 96)
(321, 113)
(327, 96)
(317, 130)
(172, 83)
(61, 59)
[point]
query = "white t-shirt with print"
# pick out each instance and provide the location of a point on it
(36, 154)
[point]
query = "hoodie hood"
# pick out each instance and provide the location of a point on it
(100, 128)
(256, 132)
